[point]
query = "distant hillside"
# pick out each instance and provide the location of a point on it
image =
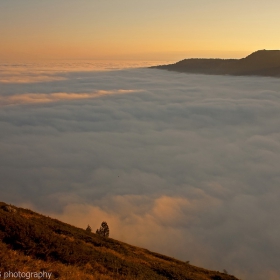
(32, 242)
(259, 63)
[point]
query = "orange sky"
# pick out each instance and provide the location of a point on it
(129, 29)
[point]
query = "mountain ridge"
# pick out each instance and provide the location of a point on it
(258, 63)
(30, 241)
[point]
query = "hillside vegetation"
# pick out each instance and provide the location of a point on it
(33, 242)
(259, 63)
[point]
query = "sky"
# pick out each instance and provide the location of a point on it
(136, 30)
(181, 164)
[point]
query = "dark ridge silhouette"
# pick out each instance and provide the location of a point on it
(259, 63)
(32, 242)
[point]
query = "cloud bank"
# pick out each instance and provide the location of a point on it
(31, 98)
(186, 165)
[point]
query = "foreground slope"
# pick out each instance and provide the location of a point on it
(32, 242)
(259, 63)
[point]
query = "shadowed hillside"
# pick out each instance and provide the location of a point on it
(33, 242)
(259, 63)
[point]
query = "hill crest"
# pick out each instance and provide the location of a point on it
(259, 63)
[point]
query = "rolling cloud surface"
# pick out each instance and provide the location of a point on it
(186, 165)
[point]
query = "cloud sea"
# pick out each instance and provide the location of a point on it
(186, 165)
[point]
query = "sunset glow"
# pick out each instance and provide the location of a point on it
(136, 30)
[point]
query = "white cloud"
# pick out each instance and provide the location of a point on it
(186, 165)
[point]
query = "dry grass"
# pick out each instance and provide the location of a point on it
(30, 242)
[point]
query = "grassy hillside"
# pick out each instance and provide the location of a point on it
(259, 63)
(32, 242)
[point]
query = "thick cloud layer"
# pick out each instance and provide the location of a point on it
(186, 165)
